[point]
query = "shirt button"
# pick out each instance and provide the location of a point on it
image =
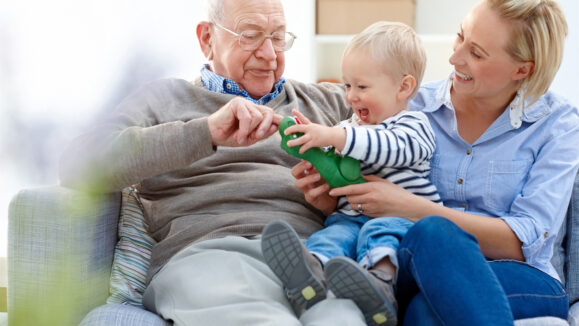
(468, 151)
(228, 86)
(546, 235)
(460, 181)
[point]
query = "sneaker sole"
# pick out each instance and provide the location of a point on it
(346, 280)
(283, 252)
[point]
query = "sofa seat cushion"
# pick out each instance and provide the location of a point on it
(122, 315)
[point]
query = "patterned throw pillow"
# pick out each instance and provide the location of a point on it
(132, 253)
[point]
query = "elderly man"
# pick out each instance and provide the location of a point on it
(210, 176)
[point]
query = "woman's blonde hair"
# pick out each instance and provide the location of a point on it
(538, 34)
(396, 45)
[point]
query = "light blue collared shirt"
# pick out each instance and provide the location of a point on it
(522, 175)
(216, 83)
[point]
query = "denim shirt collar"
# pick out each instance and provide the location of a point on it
(530, 114)
(216, 83)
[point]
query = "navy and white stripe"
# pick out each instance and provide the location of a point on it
(399, 149)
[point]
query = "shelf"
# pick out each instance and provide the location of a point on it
(332, 39)
(339, 38)
(328, 53)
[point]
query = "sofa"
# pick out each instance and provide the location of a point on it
(62, 244)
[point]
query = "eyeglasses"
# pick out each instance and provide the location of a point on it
(250, 40)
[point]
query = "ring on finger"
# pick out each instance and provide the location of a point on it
(360, 209)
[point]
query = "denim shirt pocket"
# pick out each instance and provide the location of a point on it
(505, 182)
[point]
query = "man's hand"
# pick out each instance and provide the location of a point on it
(242, 123)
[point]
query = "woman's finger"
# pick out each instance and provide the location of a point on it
(301, 169)
(315, 192)
(308, 182)
(350, 190)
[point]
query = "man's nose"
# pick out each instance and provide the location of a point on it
(266, 50)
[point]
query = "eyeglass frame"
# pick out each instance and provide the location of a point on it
(265, 36)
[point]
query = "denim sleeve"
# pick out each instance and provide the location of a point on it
(538, 212)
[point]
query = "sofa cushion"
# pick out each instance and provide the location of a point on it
(572, 246)
(132, 253)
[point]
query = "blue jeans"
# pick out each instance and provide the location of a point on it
(444, 279)
(358, 237)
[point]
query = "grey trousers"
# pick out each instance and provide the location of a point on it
(226, 282)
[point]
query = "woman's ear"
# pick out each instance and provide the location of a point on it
(524, 70)
(205, 37)
(407, 86)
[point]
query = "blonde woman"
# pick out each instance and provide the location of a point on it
(504, 166)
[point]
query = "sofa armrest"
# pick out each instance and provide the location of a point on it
(60, 251)
(572, 246)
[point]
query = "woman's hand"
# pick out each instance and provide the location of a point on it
(314, 187)
(379, 197)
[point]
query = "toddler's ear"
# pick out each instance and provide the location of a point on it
(407, 86)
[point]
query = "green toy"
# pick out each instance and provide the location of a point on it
(337, 170)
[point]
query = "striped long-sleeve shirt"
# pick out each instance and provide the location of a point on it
(398, 149)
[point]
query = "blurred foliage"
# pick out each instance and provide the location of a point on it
(56, 275)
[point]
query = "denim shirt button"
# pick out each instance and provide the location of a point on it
(546, 235)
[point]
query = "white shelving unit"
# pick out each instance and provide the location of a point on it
(328, 52)
(317, 57)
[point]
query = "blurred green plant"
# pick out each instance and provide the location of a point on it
(56, 273)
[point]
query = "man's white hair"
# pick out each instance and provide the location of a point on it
(214, 10)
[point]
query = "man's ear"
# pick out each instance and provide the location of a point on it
(205, 37)
(407, 86)
(524, 70)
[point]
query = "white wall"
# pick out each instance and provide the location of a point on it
(300, 17)
(441, 16)
(64, 61)
(566, 82)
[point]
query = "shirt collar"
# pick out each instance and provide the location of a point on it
(529, 114)
(219, 84)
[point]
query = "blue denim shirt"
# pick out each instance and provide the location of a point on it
(522, 175)
(216, 83)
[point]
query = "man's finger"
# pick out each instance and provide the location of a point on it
(277, 119)
(266, 122)
(248, 117)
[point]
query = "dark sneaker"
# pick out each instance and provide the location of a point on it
(301, 273)
(372, 291)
